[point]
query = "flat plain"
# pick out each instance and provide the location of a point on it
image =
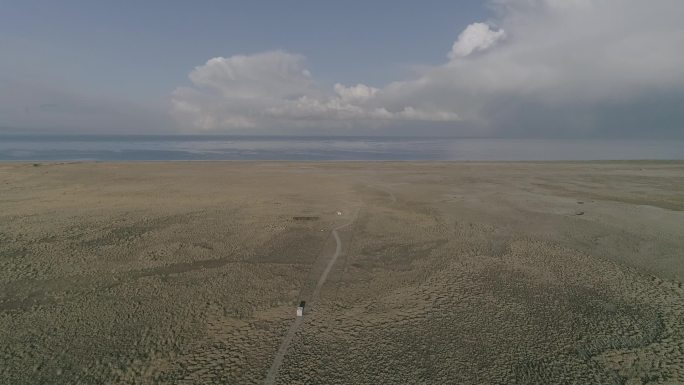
(449, 273)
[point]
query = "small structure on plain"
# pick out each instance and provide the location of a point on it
(300, 309)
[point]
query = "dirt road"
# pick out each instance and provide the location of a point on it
(285, 344)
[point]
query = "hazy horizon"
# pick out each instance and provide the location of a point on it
(327, 148)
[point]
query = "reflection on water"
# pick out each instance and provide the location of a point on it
(121, 148)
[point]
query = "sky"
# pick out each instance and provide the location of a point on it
(493, 68)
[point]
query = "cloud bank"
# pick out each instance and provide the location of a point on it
(537, 67)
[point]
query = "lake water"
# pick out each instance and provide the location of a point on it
(125, 148)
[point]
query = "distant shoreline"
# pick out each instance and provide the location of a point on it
(123, 148)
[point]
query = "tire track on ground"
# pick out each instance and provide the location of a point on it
(292, 331)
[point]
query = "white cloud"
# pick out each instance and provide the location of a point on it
(275, 89)
(235, 92)
(565, 65)
(357, 93)
(476, 37)
(275, 74)
(563, 61)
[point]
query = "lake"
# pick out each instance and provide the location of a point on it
(225, 147)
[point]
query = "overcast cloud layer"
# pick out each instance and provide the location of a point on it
(539, 67)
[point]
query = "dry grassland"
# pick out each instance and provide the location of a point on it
(450, 273)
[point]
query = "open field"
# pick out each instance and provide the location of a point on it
(449, 273)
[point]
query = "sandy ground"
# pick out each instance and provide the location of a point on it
(450, 273)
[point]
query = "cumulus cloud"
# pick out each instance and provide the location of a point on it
(546, 66)
(476, 37)
(274, 74)
(357, 93)
(232, 92)
(275, 89)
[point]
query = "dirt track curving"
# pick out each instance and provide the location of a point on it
(285, 344)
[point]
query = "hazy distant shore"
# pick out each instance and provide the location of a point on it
(360, 148)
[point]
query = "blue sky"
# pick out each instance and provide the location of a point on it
(146, 48)
(571, 68)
